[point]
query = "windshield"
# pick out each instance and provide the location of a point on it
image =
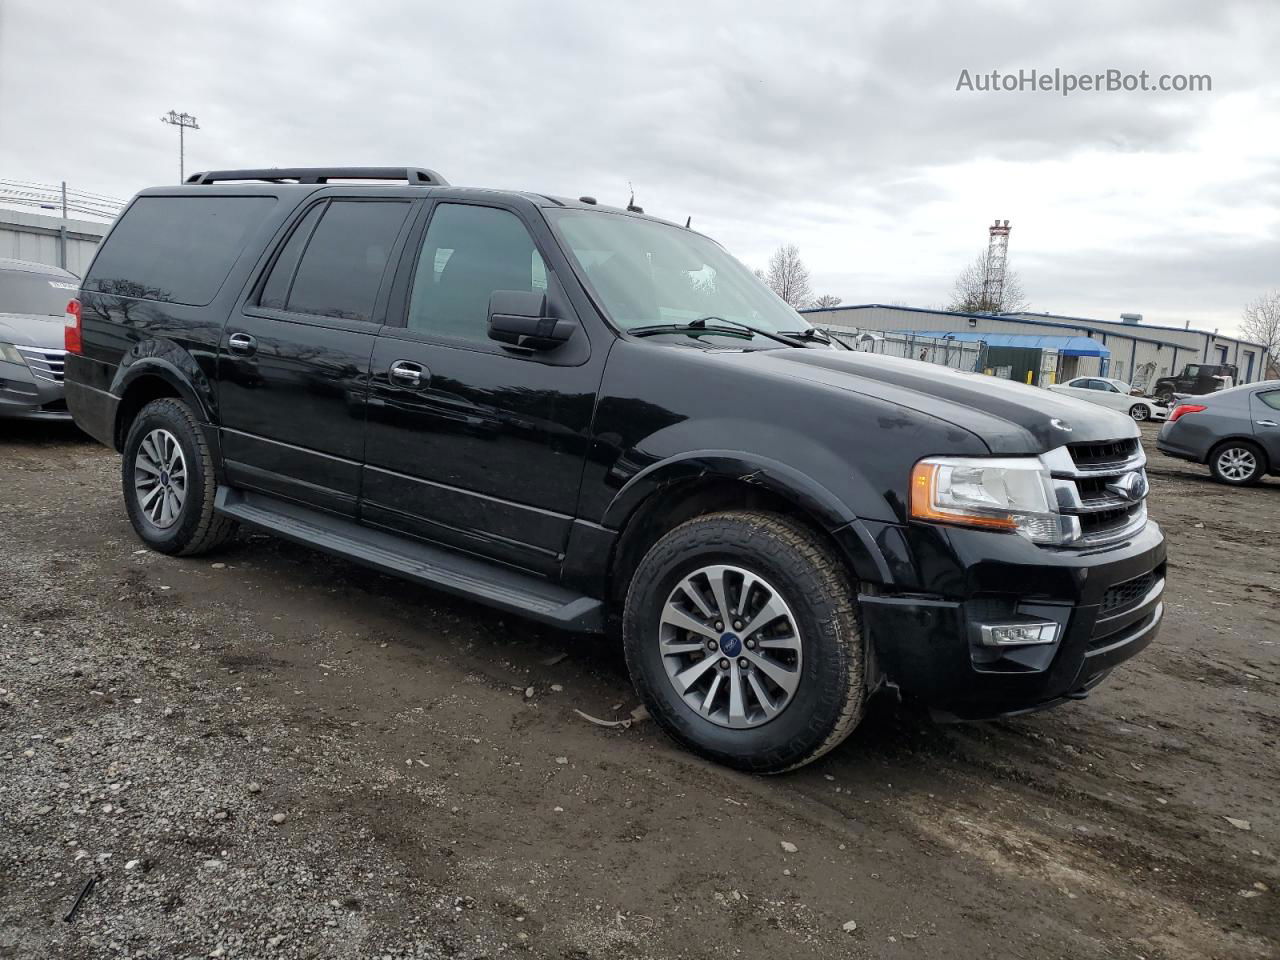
(647, 273)
(37, 294)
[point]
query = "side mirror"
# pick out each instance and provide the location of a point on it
(519, 318)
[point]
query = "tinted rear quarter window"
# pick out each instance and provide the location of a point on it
(344, 262)
(176, 249)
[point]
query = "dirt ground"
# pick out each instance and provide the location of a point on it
(270, 753)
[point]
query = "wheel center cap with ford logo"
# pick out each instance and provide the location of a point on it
(730, 644)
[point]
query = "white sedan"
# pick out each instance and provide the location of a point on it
(1114, 394)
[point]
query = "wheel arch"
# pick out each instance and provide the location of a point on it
(148, 379)
(664, 495)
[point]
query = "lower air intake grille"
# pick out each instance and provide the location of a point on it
(1126, 594)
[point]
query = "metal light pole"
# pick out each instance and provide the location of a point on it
(182, 121)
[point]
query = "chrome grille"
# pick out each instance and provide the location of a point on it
(45, 364)
(1091, 456)
(1104, 486)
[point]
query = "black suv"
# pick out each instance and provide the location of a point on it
(1196, 379)
(602, 421)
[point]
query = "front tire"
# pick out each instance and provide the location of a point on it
(782, 681)
(1238, 463)
(168, 482)
(1139, 412)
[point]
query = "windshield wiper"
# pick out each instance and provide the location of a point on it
(811, 333)
(737, 327)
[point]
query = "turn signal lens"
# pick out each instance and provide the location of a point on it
(1184, 408)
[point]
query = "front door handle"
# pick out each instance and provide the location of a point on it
(242, 343)
(1266, 423)
(406, 373)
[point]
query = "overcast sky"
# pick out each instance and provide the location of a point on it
(836, 128)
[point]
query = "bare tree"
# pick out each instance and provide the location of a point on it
(827, 300)
(971, 290)
(1261, 323)
(789, 277)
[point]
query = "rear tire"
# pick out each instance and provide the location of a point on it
(813, 642)
(167, 477)
(1238, 463)
(1140, 412)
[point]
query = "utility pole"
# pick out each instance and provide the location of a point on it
(182, 121)
(62, 230)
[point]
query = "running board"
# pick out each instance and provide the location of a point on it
(446, 570)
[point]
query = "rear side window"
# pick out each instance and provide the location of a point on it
(275, 292)
(176, 249)
(1271, 399)
(342, 264)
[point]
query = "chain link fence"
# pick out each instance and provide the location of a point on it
(967, 355)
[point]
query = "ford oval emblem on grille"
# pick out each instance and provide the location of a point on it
(1129, 486)
(1061, 425)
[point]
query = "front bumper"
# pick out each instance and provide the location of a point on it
(27, 397)
(1108, 604)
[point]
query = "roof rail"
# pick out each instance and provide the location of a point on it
(414, 176)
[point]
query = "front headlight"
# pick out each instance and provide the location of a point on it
(1011, 494)
(9, 352)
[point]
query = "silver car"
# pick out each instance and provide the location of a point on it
(33, 303)
(1236, 432)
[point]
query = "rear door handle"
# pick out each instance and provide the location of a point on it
(406, 373)
(1267, 423)
(242, 343)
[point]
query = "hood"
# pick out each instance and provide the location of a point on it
(29, 330)
(1011, 418)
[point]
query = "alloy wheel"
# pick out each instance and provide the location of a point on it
(160, 478)
(730, 646)
(1237, 463)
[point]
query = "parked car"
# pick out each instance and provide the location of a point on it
(602, 421)
(1236, 432)
(1197, 379)
(1115, 394)
(33, 304)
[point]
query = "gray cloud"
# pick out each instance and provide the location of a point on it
(836, 128)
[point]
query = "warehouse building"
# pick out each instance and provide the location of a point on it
(1126, 349)
(56, 241)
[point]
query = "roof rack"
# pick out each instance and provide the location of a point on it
(414, 176)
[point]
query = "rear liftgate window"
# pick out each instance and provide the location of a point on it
(176, 249)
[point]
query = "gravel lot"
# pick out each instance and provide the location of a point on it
(269, 753)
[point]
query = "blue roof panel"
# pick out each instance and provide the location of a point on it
(1067, 346)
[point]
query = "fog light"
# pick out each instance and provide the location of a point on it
(1020, 633)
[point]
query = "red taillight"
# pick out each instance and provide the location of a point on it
(71, 332)
(1185, 408)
